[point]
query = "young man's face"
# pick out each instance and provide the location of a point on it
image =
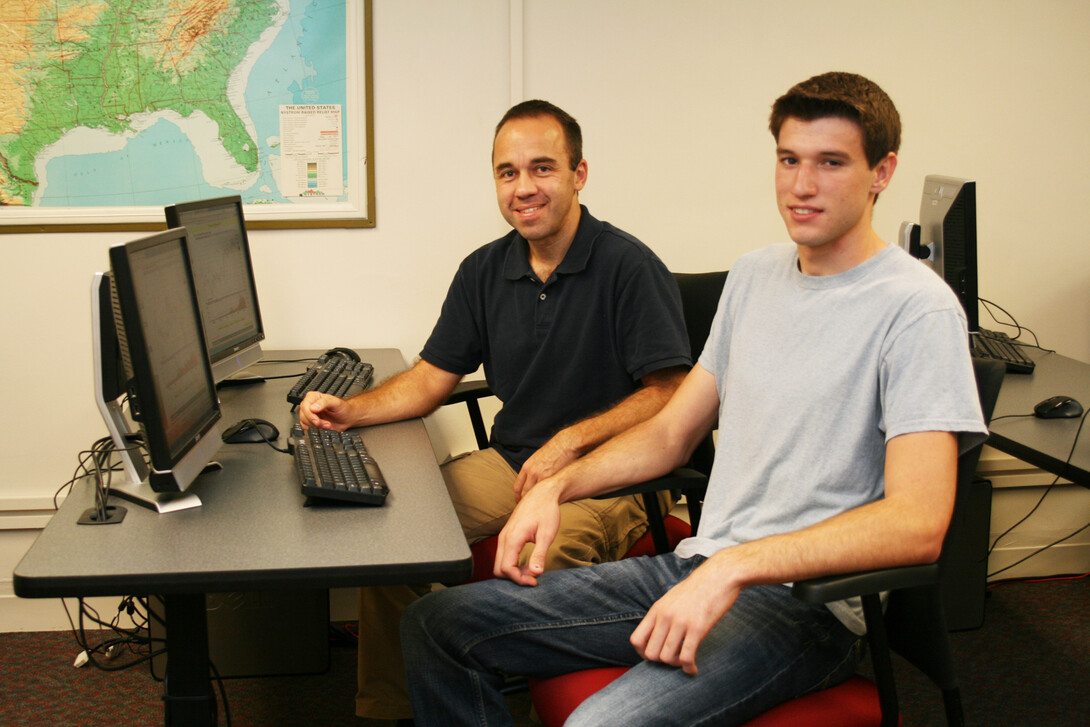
(536, 187)
(824, 187)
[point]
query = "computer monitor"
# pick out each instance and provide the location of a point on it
(150, 353)
(948, 237)
(223, 274)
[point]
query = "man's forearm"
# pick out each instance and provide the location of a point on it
(639, 406)
(906, 527)
(413, 393)
(648, 449)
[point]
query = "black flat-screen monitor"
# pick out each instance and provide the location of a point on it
(219, 252)
(948, 226)
(150, 353)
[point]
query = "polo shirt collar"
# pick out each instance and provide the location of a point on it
(517, 263)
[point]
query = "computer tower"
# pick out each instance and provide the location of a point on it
(260, 633)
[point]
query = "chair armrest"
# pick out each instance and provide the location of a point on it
(468, 390)
(683, 478)
(470, 393)
(836, 588)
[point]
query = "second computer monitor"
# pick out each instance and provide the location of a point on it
(224, 278)
(948, 225)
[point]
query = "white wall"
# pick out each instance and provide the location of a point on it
(673, 98)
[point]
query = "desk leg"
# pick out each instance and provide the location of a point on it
(187, 691)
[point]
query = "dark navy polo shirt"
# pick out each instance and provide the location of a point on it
(566, 349)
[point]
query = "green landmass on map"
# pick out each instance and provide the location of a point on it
(72, 63)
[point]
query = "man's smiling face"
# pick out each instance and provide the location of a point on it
(537, 190)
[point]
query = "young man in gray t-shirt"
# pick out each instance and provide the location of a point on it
(838, 371)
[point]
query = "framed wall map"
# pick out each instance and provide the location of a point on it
(112, 109)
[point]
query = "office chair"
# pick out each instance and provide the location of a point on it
(700, 294)
(914, 625)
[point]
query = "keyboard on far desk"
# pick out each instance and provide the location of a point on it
(332, 374)
(999, 346)
(336, 466)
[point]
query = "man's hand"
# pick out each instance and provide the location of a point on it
(675, 625)
(536, 519)
(549, 459)
(324, 412)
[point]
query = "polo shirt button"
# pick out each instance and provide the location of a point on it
(542, 296)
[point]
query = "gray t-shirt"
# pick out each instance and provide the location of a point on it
(815, 375)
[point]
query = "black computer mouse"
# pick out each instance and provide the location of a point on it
(250, 430)
(1058, 407)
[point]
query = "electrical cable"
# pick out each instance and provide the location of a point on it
(285, 361)
(284, 376)
(81, 470)
(1039, 551)
(223, 692)
(95, 462)
(135, 639)
(1040, 500)
(988, 305)
(1049, 579)
(265, 439)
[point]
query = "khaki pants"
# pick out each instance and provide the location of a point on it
(481, 486)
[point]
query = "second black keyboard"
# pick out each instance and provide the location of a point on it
(333, 374)
(999, 346)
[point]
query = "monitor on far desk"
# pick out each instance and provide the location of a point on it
(946, 241)
(945, 238)
(223, 274)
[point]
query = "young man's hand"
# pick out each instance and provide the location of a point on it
(536, 519)
(675, 625)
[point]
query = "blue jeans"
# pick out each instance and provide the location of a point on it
(769, 648)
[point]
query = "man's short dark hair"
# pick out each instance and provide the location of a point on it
(535, 108)
(844, 95)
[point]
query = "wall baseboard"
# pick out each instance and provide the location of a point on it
(47, 614)
(1059, 560)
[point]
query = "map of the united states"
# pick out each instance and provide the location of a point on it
(104, 65)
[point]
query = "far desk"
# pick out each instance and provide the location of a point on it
(1045, 443)
(253, 533)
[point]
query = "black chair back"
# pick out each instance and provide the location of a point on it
(700, 293)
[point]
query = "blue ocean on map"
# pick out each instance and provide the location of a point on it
(304, 65)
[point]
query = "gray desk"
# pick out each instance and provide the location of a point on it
(1045, 443)
(253, 533)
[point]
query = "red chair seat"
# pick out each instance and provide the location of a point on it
(557, 697)
(853, 703)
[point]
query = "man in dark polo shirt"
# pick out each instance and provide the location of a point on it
(580, 331)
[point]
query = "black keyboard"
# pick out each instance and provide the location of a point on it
(332, 374)
(336, 466)
(999, 346)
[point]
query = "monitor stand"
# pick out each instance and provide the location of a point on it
(162, 502)
(240, 381)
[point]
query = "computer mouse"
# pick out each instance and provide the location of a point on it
(1058, 407)
(251, 430)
